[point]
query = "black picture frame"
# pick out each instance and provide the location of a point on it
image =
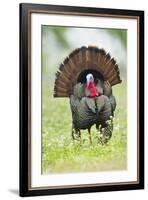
(25, 97)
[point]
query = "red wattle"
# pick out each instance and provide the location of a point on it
(92, 88)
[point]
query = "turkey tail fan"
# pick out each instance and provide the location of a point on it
(81, 61)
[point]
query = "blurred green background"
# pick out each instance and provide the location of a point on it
(59, 153)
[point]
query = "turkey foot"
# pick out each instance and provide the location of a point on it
(76, 134)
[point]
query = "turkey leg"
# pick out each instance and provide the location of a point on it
(90, 139)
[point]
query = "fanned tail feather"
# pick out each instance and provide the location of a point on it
(81, 59)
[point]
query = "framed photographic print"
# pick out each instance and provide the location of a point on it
(81, 99)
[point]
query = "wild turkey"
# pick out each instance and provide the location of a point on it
(86, 76)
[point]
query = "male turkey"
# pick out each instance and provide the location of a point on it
(86, 76)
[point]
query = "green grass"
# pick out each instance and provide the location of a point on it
(61, 155)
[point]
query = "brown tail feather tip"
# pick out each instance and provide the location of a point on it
(108, 56)
(102, 51)
(113, 61)
(71, 68)
(61, 67)
(60, 94)
(74, 52)
(117, 81)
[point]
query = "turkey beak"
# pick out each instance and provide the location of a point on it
(88, 81)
